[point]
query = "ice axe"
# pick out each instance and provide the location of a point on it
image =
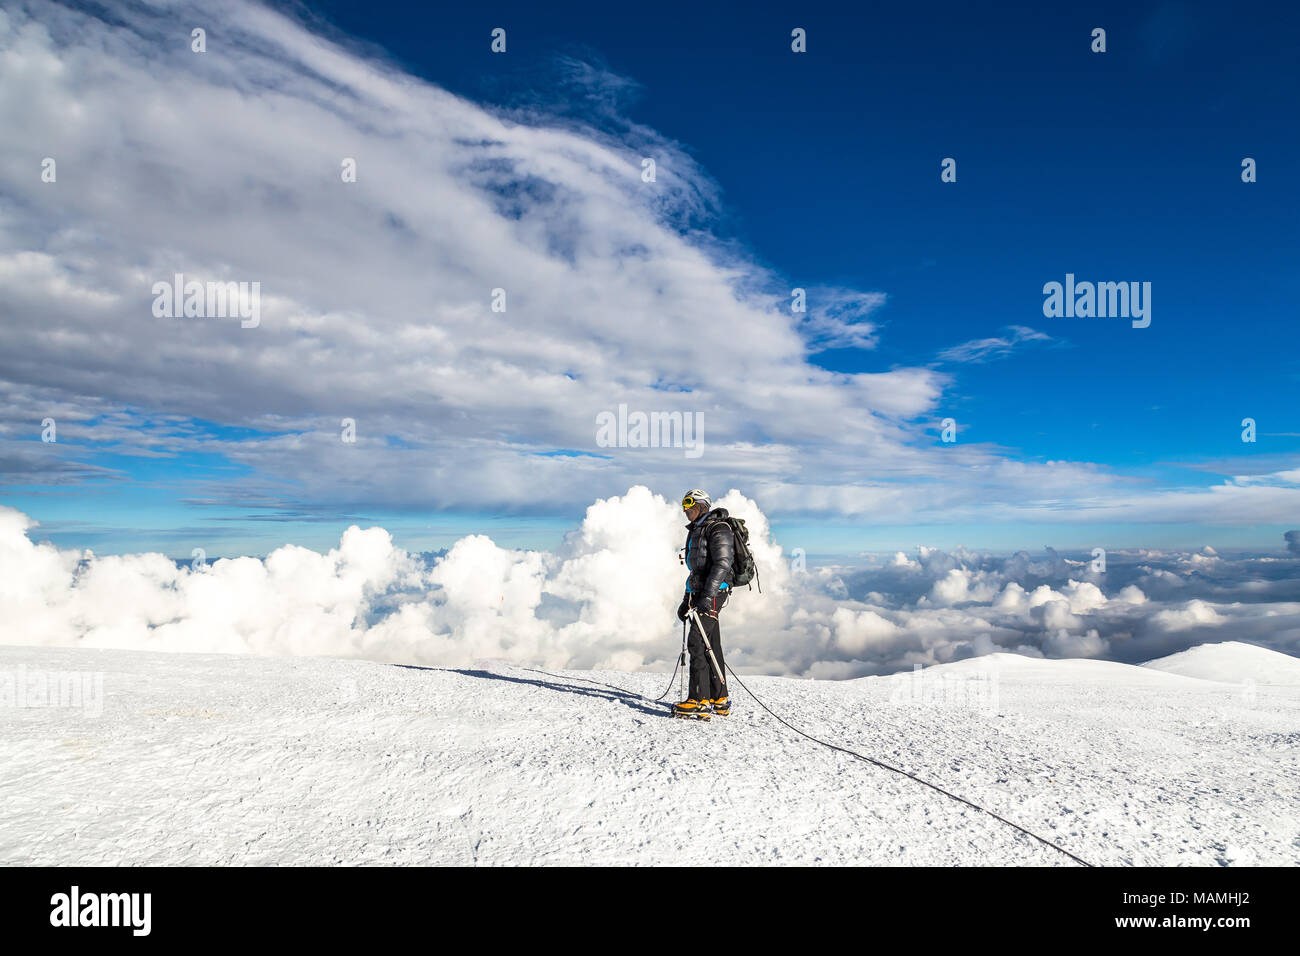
(704, 637)
(681, 662)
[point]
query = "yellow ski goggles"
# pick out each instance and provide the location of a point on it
(688, 503)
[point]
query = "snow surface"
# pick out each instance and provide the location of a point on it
(225, 759)
(1233, 662)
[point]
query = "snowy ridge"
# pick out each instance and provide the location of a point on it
(1231, 662)
(1050, 670)
(229, 759)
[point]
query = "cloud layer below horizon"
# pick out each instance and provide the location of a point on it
(605, 599)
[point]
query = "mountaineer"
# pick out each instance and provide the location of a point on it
(710, 557)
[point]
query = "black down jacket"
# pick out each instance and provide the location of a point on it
(710, 554)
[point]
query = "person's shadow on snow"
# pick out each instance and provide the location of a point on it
(609, 692)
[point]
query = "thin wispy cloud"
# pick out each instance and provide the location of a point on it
(995, 347)
(838, 319)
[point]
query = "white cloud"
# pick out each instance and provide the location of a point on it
(987, 349)
(605, 598)
(1192, 614)
(376, 295)
(1083, 596)
(856, 633)
(1063, 644)
(1012, 599)
(959, 586)
(1132, 594)
(836, 318)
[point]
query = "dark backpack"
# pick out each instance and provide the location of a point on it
(743, 569)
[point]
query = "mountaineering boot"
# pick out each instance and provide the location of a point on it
(722, 706)
(691, 708)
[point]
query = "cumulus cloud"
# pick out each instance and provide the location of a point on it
(1131, 594)
(857, 633)
(960, 586)
(605, 598)
(1064, 644)
(1191, 614)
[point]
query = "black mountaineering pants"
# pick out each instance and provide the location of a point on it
(704, 682)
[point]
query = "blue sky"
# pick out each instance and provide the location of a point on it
(818, 170)
(1123, 165)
